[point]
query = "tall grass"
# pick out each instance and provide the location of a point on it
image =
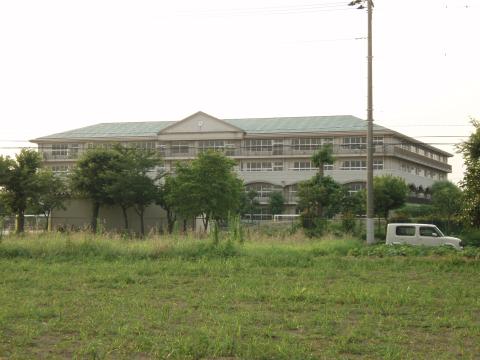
(258, 247)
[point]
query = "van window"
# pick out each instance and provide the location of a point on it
(405, 231)
(428, 231)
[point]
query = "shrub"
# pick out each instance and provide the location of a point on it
(471, 238)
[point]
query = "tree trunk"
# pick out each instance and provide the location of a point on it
(48, 224)
(448, 224)
(170, 221)
(20, 222)
(205, 222)
(142, 225)
(321, 171)
(184, 226)
(125, 217)
(94, 220)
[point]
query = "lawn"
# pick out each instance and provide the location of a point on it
(94, 298)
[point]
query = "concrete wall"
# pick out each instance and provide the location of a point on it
(78, 212)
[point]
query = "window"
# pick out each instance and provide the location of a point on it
(65, 151)
(428, 231)
(378, 164)
(293, 189)
(263, 166)
(355, 187)
(355, 142)
(59, 149)
(405, 231)
(179, 147)
(229, 148)
(354, 165)
(258, 145)
(142, 145)
(60, 170)
(212, 144)
(406, 146)
(378, 140)
(263, 189)
(278, 166)
(261, 213)
(303, 165)
(277, 147)
(74, 150)
(101, 145)
(309, 144)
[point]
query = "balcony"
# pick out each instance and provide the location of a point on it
(408, 155)
(273, 151)
(48, 156)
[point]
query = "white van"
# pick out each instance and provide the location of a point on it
(419, 234)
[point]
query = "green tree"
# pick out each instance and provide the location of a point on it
(318, 198)
(470, 184)
(145, 192)
(390, 192)
(352, 205)
(249, 203)
(52, 194)
(92, 177)
(3, 206)
(322, 157)
(18, 182)
(276, 202)
(166, 200)
(130, 185)
(447, 200)
(207, 187)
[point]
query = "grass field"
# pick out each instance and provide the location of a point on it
(81, 297)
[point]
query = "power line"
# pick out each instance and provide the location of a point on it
(272, 10)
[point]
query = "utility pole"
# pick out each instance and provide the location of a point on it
(370, 205)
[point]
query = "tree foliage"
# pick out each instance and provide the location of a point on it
(322, 157)
(92, 178)
(19, 183)
(52, 194)
(249, 203)
(390, 192)
(470, 184)
(207, 187)
(166, 200)
(320, 196)
(130, 185)
(276, 202)
(447, 200)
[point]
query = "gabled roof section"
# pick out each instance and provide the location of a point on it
(112, 130)
(334, 123)
(200, 122)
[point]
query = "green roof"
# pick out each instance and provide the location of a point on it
(336, 123)
(113, 130)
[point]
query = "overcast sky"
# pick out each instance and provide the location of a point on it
(68, 64)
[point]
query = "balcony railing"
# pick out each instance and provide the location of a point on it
(398, 151)
(48, 156)
(271, 151)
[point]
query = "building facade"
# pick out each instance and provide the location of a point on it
(271, 154)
